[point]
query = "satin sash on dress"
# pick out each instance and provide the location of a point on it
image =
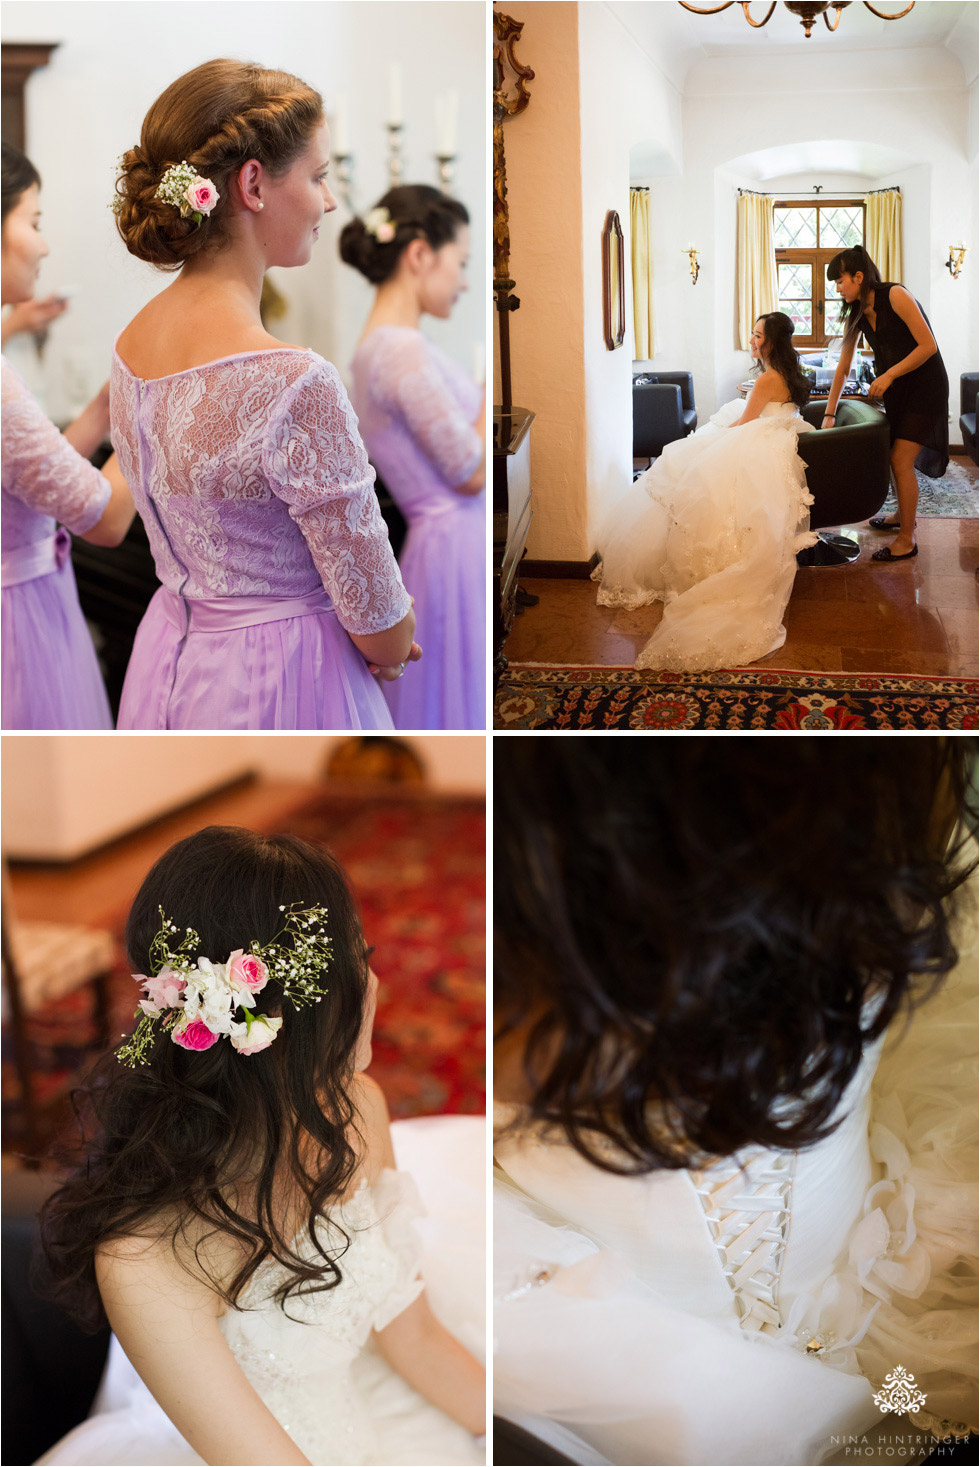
(230, 613)
(28, 562)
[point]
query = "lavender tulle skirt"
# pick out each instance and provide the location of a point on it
(444, 565)
(244, 663)
(51, 677)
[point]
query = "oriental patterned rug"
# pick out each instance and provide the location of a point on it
(535, 696)
(417, 866)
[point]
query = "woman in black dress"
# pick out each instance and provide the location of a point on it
(910, 382)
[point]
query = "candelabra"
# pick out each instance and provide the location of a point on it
(692, 256)
(344, 178)
(396, 165)
(447, 168)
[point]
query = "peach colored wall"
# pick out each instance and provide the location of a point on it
(543, 148)
(64, 795)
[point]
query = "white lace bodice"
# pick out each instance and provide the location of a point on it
(252, 480)
(45, 481)
(301, 1365)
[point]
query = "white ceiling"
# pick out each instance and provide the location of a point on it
(676, 39)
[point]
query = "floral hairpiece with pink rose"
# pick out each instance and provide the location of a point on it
(379, 223)
(198, 1001)
(187, 191)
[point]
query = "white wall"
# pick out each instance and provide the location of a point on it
(627, 99)
(64, 795)
(114, 59)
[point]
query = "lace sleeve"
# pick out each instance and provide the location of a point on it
(398, 1205)
(41, 468)
(407, 382)
(316, 464)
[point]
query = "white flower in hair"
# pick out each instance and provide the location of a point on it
(378, 222)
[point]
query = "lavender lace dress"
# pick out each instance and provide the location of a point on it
(51, 678)
(416, 410)
(259, 505)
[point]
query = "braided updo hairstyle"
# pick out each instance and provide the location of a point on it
(417, 211)
(215, 118)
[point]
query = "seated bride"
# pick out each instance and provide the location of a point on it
(735, 1197)
(237, 1216)
(713, 526)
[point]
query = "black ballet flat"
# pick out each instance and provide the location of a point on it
(880, 523)
(885, 554)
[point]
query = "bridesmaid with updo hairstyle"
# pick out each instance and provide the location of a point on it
(280, 600)
(424, 423)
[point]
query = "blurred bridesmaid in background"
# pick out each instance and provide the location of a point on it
(423, 422)
(51, 677)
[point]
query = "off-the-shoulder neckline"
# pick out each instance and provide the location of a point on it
(236, 356)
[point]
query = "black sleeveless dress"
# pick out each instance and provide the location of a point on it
(916, 405)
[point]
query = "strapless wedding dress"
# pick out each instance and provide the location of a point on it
(712, 530)
(318, 1373)
(771, 1308)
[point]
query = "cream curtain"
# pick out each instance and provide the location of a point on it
(641, 254)
(883, 233)
(755, 279)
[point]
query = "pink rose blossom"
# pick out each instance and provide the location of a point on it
(202, 196)
(245, 970)
(385, 233)
(252, 1037)
(162, 990)
(194, 1035)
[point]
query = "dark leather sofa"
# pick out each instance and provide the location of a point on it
(968, 413)
(663, 411)
(847, 472)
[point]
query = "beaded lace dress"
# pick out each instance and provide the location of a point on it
(318, 1371)
(259, 505)
(712, 530)
(752, 1311)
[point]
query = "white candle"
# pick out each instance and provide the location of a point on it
(394, 94)
(447, 138)
(341, 131)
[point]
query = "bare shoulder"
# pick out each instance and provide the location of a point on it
(373, 1125)
(180, 1260)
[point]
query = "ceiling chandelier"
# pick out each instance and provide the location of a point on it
(807, 13)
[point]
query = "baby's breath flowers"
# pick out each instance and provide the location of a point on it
(193, 195)
(198, 1001)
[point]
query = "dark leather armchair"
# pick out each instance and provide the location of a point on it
(847, 472)
(663, 411)
(968, 413)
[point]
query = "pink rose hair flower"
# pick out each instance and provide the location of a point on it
(193, 1035)
(163, 990)
(202, 195)
(245, 970)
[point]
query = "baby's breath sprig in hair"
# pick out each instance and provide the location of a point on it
(198, 1001)
(184, 188)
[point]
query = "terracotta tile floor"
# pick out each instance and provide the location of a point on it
(917, 617)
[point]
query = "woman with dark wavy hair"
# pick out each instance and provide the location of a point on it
(910, 384)
(236, 1216)
(713, 526)
(736, 1031)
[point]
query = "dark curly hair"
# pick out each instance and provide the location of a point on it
(849, 262)
(191, 1133)
(417, 212)
(696, 939)
(18, 174)
(215, 118)
(779, 329)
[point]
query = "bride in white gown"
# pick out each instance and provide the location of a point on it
(713, 526)
(701, 953)
(239, 1218)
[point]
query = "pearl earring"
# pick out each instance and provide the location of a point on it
(260, 204)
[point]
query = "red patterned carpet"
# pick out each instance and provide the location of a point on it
(418, 867)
